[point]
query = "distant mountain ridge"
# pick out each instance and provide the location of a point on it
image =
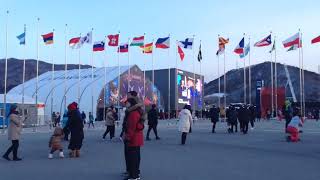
(15, 70)
(261, 71)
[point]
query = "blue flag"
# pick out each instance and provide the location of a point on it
(22, 38)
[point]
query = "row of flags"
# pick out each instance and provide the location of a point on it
(292, 43)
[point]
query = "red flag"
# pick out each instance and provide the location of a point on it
(113, 40)
(181, 53)
(315, 40)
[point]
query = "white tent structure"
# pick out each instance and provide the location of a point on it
(45, 89)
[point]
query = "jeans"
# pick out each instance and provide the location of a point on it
(14, 149)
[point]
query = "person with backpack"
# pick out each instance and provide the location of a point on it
(91, 120)
(153, 122)
(133, 137)
(185, 123)
(214, 115)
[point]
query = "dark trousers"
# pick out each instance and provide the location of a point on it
(252, 123)
(234, 126)
(214, 127)
(154, 128)
(245, 127)
(126, 157)
(287, 123)
(110, 129)
(134, 161)
(91, 123)
(13, 148)
(183, 138)
(66, 134)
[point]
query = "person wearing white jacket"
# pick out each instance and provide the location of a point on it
(185, 122)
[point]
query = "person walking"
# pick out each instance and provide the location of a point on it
(133, 137)
(53, 119)
(75, 126)
(91, 120)
(232, 119)
(110, 123)
(65, 128)
(293, 126)
(58, 119)
(83, 117)
(185, 123)
(153, 122)
(214, 115)
(287, 112)
(252, 115)
(14, 133)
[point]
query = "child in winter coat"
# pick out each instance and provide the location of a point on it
(293, 127)
(55, 142)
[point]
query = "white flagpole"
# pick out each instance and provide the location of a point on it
(23, 76)
(118, 102)
(52, 79)
(300, 74)
(276, 80)
(249, 71)
(224, 83)
(5, 79)
(144, 73)
(105, 86)
(219, 83)
(200, 63)
(194, 78)
(152, 58)
(129, 73)
(92, 76)
(37, 83)
(303, 88)
(272, 87)
(169, 88)
(176, 86)
(65, 68)
(244, 78)
(79, 73)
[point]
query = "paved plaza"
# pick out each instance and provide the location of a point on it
(263, 154)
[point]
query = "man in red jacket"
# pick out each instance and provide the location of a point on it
(134, 136)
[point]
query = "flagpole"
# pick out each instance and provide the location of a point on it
(52, 79)
(118, 99)
(219, 83)
(176, 86)
(129, 73)
(300, 74)
(23, 75)
(249, 72)
(5, 79)
(224, 82)
(303, 87)
(244, 78)
(276, 80)
(144, 73)
(169, 88)
(152, 66)
(271, 79)
(65, 67)
(79, 74)
(37, 83)
(201, 115)
(105, 86)
(194, 79)
(92, 76)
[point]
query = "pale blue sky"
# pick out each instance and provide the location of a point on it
(181, 19)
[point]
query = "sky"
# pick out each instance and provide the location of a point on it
(203, 19)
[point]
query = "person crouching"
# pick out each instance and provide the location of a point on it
(55, 142)
(293, 127)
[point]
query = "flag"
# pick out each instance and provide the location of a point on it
(264, 42)
(240, 48)
(222, 45)
(163, 43)
(22, 38)
(293, 40)
(74, 43)
(98, 46)
(273, 47)
(200, 54)
(147, 48)
(137, 41)
(48, 38)
(113, 40)
(87, 38)
(315, 40)
(124, 48)
(187, 43)
(246, 51)
(181, 53)
(292, 48)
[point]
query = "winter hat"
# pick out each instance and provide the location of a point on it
(73, 106)
(13, 107)
(132, 101)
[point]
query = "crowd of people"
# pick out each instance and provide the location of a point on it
(71, 128)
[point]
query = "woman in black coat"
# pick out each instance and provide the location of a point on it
(214, 115)
(75, 125)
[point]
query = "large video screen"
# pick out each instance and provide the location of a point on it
(189, 89)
